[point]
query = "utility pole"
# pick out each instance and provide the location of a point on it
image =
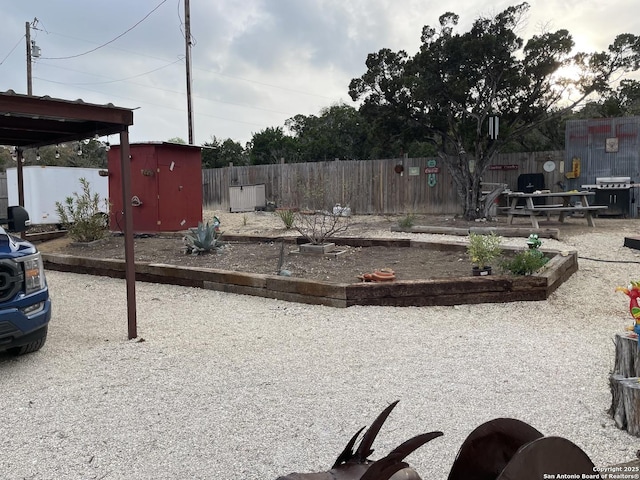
(28, 36)
(187, 36)
(32, 51)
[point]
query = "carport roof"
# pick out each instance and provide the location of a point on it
(29, 122)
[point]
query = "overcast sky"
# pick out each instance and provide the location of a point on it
(255, 63)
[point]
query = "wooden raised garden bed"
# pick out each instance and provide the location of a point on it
(454, 291)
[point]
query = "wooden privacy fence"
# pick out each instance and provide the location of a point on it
(392, 186)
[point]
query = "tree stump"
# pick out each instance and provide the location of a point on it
(625, 384)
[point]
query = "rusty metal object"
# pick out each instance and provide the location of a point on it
(505, 448)
(501, 449)
(550, 454)
(488, 449)
(355, 464)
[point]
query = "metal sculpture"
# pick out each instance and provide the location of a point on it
(500, 449)
(505, 449)
(488, 449)
(356, 465)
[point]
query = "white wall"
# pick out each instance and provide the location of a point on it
(45, 185)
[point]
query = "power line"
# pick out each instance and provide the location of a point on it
(233, 77)
(48, 80)
(106, 81)
(110, 41)
(195, 67)
(166, 107)
(14, 47)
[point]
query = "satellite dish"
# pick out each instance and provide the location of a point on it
(549, 166)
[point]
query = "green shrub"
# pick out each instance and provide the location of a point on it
(203, 239)
(525, 262)
(82, 215)
(482, 249)
(288, 217)
(407, 221)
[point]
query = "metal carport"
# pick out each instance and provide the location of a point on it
(29, 122)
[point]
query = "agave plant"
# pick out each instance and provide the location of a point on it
(203, 239)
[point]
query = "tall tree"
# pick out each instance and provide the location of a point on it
(339, 132)
(623, 101)
(457, 81)
(271, 145)
(219, 153)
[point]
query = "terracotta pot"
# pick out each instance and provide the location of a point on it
(380, 276)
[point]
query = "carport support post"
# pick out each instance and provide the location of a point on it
(20, 175)
(130, 266)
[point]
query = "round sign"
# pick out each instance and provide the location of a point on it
(549, 166)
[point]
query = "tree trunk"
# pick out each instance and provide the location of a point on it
(625, 385)
(467, 185)
(466, 171)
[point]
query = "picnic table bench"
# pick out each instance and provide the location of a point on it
(564, 209)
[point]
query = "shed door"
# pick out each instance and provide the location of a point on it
(171, 195)
(179, 194)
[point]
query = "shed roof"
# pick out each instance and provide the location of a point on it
(28, 122)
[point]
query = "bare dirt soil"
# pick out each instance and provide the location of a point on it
(271, 257)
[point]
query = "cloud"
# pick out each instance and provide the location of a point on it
(255, 63)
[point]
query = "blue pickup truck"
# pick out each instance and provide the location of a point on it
(25, 307)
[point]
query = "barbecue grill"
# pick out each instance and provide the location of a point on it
(616, 193)
(608, 183)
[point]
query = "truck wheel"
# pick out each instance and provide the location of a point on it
(31, 347)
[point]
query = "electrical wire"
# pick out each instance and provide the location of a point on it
(137, 100)
(111, 81)
(11, 51)
(252, 107)
(192, 40)
(110, 41)
(207, 71)
(608, 261)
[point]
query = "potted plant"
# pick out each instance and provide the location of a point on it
(482, 249)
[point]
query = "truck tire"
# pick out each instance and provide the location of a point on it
(31, 347)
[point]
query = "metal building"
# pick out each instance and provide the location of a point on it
(166, 187)
(603, 155)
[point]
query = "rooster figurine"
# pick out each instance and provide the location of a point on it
(633, 292)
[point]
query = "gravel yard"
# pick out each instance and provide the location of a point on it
(230, 386)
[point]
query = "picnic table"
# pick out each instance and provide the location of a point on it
(532, 208)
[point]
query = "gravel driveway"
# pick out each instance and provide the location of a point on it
(229, 386)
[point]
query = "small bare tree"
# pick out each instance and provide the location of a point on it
(331, 219)
(319, 226)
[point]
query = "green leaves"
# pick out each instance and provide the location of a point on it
(84, 214)
(482, 249)
(446, 92)
(525, 262)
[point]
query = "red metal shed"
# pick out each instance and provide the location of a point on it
(166, 187)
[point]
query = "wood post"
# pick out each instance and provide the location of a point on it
(625, 384)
